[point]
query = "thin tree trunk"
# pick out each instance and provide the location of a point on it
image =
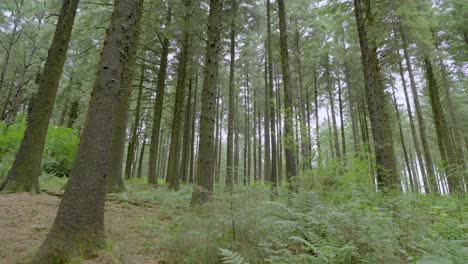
(305, 148)
(267, 115)
(447, 150)
(173, 177)
(158, 105)
(133, 136)
(220, 145)
(142, 155)
(422, 126)
(342, 126)
(331, 98)
(270, 109)
(187, 144)
(193, 139)
(317, 126)
(413, 127)
(290, 148)
(402, 138)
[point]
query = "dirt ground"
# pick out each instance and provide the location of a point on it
(26, 219)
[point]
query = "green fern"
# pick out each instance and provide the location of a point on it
(230, 257)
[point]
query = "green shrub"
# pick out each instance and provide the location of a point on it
(59, 153)
(60, 150)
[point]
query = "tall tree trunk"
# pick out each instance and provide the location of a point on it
(447, 150)
(387, 174)
(246, 138)
(78, 229)
(256, 121)
(158, 105)
(236, 143)
(23, 175)
(413, 128)
(216, 132)
(402, 138)
(331, 98)
(187, 144)
(173, 177)
(203, 188)
(115, 181)
(129, 170)
(351, 105)
(270, 108)
(220, 145)
(259, 144)
(278, 129)
(330, 137)
(342, 126)
(142, 155)
(193, 139)
(317, 124)
(305, 148)
(422, 126)
(290, 148)
(267, 115)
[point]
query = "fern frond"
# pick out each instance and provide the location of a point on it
(230, 257)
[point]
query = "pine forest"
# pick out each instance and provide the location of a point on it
(234, 131)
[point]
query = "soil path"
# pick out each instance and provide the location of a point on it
(26, 219)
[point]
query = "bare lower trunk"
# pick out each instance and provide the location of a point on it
(78, 229)
(203, 189)
(290, 147)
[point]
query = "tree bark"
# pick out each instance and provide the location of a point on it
(203, 188)
(78, 229)
(290, 148)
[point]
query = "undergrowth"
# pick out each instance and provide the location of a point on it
(333, 227)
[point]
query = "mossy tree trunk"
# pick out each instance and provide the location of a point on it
(24, 174)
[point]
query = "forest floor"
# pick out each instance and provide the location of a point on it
(26, 220)
(146, 225)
